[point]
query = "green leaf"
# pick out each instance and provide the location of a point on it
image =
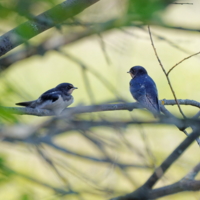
(4, 172)
(145, 9)
(4, 12)
(26, 197)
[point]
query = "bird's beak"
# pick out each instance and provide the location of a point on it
(131, 74)
(71, 90)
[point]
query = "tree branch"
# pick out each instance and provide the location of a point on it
(181, 102)
(72, 110)
(47, 140)
(181, 186)
(50, 44)
(186, 184)
(41, 23)
(143, 193)
(159, 172)
(59, 41)
(95, 108)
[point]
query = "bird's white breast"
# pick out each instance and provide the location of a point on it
(58, 106)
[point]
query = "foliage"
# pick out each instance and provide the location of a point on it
(105, 146)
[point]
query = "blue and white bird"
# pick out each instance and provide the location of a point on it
(55, 99)
(143, 89)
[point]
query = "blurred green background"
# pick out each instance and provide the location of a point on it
(122, 48)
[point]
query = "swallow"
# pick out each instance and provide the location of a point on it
(143, 89)
(55, 99)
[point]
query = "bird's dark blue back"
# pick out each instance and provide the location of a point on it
(143, 89)
(53, 94)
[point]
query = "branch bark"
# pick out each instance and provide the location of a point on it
(72, 110)
(96, 108)
(180, 186)
(41, 23)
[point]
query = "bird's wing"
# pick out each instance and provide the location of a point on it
(150, 98)
(54, 101)
(49, 96)
(145, 92)
(39, 101)
(43, 101)
(150, 102)
(47, 99)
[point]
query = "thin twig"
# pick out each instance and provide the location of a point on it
(169, 42)
(103, 47)
(103, 80)
(183, 3)
(168, 80)
(57, 190)
(181, 62)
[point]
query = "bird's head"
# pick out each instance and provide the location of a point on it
(66, 88)
(137, 70)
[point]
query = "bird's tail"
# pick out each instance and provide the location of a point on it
(26, 103)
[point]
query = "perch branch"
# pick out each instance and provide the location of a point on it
(95, 108)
